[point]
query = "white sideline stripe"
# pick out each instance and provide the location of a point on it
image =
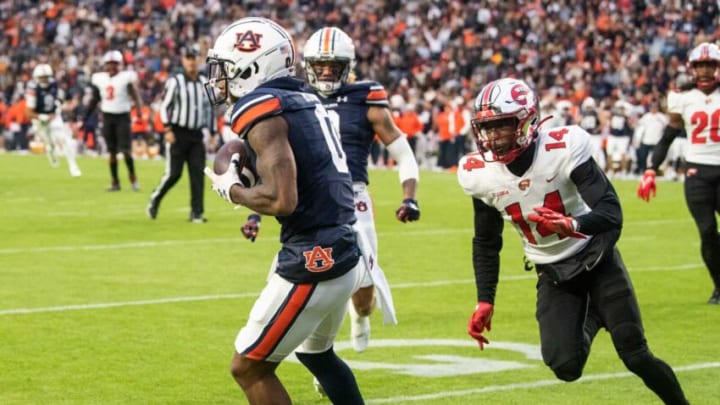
(124, 304)
(133, 245)
(17, 311)
(521, 386)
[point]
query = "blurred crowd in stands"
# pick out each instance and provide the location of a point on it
(433, 56)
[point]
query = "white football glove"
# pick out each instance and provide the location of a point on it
(222, 183)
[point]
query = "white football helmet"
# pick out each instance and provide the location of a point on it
(705, 52)
(505, 99)
(329, 44)
(248, 53)
(113, 57)
(42, 74)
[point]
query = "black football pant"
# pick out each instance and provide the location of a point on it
(116, 131)
(570, 313)
(702, 195)
(188, 147)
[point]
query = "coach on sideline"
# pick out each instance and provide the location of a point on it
(186, 114)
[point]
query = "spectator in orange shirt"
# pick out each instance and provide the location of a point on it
(409, 123)
(448, 123)
(141, 130)
(18, 124)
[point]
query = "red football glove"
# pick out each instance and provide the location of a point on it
(252, 227)
(480, 321)
(647, 187)
(555, 222)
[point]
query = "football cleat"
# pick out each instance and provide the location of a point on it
(715, 297)
(197, 219)
(135, 186)
(114, 187)
(151, 211)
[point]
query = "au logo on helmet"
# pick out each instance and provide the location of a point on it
(247, 41)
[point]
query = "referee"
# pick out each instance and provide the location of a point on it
(186, 114)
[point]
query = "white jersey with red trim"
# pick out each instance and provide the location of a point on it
(701, 114)
(546, 183)
(115, 97)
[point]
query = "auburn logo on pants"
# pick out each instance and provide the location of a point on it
(318, 259)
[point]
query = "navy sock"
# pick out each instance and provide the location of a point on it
(334, 375)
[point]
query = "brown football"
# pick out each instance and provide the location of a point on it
(246, 171)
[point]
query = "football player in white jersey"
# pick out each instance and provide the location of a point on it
(548, 186)
(697, 111)
(116, 91)
(44, 103)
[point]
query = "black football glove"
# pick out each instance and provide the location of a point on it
(252, 227)
(409, 211)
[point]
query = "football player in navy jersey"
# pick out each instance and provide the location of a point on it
(306, 184)
(360, 110)
(548, 186)
(44, 102)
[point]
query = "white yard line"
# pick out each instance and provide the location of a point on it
(521, 386)
(439, 283)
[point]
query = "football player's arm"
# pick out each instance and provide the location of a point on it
(486, 246)
(135, 94)
(599, 194)
(166, 107)
(671, 131)
(277, 194)
(396, 142)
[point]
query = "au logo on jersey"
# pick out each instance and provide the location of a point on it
(318, 259)
(247, 41)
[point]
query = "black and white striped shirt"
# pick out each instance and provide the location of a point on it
(186, 104)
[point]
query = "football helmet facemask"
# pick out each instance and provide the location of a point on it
(708, 53)
(502, 103)
(249, 52)
(328, 59)
(42, 74)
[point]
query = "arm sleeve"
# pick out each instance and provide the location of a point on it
(167, 101)
(486, 247)
(598, 193)
(661, 148)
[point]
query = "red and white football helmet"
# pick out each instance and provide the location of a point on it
(705, 52)
(329, 44)
(249, 52)
(501, 100)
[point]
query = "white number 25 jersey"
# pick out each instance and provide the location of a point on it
(546, 183)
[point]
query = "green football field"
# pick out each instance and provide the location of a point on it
(101, 305)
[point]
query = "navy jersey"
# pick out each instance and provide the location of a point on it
(43, 100)
(318, 240)
(348, 107)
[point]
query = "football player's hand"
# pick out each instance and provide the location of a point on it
(481, 321)
(409, 211)
(252, 227)
(555, 222)
(222, 183)
(647, 187)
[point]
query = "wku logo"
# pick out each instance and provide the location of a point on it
(318, 259)
(247, 41)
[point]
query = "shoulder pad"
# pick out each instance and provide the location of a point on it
(253, 108)
(364, 92)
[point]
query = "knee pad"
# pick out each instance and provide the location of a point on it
(630, 344)
(570, 370)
